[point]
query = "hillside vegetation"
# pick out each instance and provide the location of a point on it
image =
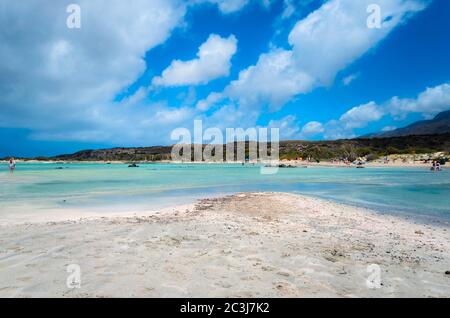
(293, 149)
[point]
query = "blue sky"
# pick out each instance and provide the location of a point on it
(133, 73)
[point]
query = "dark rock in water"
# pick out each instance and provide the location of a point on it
(282, 165)
(59, 168)
(133, 166)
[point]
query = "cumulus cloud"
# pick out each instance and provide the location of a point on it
(318, 40)
(56, 79)
(212, 99)
(335, 130)
(312, 128)
(291, 129)
(288, 127)
(322, 44)
(213, 61)
(428, 103)
(272, 80)
(360, 116)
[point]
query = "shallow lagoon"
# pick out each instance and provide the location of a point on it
(115, 187)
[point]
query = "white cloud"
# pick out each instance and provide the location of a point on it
(336, 34)
(360, 116)
(430, 102)
(389, 128)
(350, 78)
(289, 9)
(291, 129)
(230, 116)
(288, 127)
(61, 83)
(212, 99)
(171, 116)
(322, 44)
(312, 128)
(128, 125)
(232, 6)
(55, 79)
(272, 80)
(213, 61)
(335, 130)
(229, 6)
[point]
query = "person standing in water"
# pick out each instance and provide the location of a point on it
(12, 165)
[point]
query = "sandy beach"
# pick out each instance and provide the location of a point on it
(245, 245)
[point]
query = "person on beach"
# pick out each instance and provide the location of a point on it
(12, 165)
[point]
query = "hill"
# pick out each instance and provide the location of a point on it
(438, 125)
(292, 149)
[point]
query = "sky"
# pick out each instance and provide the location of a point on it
(134, 71)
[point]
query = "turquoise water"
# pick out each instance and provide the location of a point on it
(115, 186)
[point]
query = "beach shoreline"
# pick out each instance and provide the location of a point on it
(293, 163)
(261, 244)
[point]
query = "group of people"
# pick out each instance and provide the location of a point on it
(436, 166)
